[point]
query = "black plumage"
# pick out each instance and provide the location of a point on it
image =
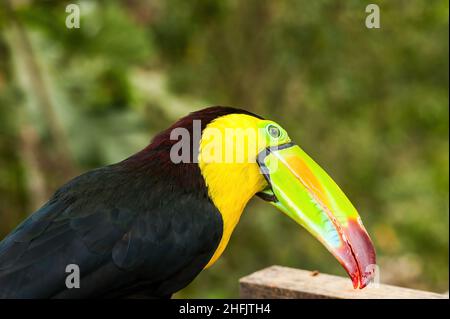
(142, 227)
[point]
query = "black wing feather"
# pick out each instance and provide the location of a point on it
(127, 235)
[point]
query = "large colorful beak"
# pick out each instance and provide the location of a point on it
(303, 190)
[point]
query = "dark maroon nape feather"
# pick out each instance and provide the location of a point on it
(210, 113)
(205, 116)
(155, 158)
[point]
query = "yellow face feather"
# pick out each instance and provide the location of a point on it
(227, 160)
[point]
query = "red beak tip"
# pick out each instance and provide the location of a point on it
(360, 283)
(361, 280)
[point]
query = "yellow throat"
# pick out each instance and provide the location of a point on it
(232, 179)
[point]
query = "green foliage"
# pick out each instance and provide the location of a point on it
(371, 106)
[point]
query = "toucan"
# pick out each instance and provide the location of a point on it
(145, 227)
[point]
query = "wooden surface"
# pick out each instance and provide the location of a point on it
(286, 283)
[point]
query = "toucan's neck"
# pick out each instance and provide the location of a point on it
(231, 184)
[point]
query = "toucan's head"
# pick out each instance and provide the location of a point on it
(241, 155)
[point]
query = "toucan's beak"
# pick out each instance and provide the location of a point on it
(303, 190)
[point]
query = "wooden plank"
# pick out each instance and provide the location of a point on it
(286, 283)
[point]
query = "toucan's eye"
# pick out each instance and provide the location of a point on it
(274, 131)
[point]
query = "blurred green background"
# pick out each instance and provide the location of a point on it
(370, 105)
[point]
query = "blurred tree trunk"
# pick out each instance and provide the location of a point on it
(36, 186)
(30, 78)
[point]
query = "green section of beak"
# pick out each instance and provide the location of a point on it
(301, 189)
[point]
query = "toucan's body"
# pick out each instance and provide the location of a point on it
(144, 227)
(130, 235)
